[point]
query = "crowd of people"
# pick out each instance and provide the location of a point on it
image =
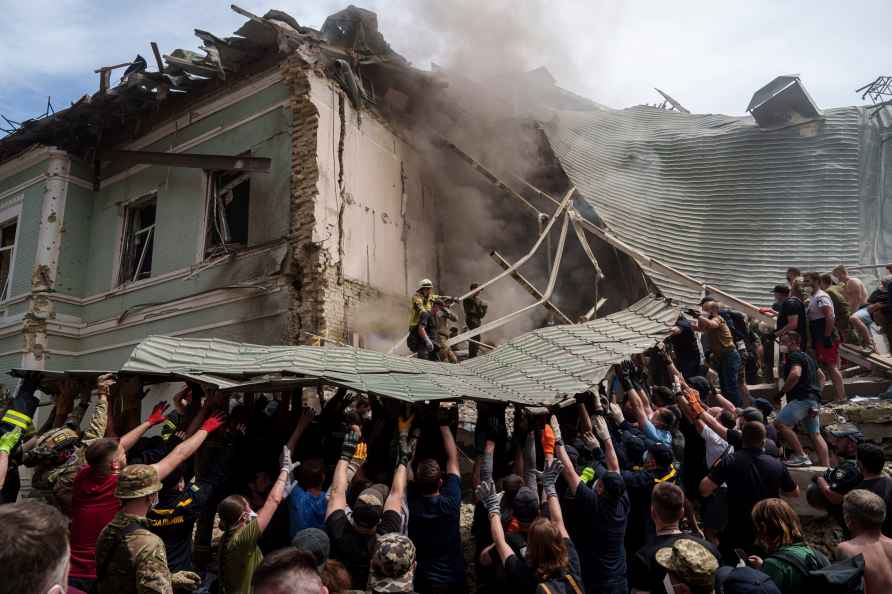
(661, 480)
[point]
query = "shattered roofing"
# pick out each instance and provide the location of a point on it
(540, 367)
(122, 112)
(724, 201)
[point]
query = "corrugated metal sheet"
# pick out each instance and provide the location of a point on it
(539, 367)
(721, 200)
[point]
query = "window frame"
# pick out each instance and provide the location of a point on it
(7, 216)
(204, 243)
(124, 223)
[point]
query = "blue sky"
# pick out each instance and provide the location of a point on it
(710, 56)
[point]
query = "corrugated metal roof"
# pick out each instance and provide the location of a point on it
(720, 199)
(539, 367)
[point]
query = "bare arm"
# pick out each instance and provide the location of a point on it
(831, 495)
(707, 487)
(829, 319)
(557, 518)
(609, 452)
(398, 489)
(792, 379)
(792, 324)
(337, 493)
(569, 471)
(498, 538)
(451, 450)
(637, 406)
(186, 449)
(704, 322)
(276, 494)
(713, 423)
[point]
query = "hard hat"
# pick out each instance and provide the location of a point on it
(426, 284)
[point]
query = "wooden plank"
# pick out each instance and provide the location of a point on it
(189, 160)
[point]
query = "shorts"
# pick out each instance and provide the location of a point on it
(827, 355)
(864, 315)
(798, 411)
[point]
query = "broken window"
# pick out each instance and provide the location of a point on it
(7, 252)
(228, 204)
(138, 239)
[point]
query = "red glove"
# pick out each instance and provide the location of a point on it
(213, 423)
(548, 440)
(157, 417)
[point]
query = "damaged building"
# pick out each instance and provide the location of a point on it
(286, 185)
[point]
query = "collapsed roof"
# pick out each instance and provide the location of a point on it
(544, 366)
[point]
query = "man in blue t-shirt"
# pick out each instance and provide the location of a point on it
(434, 508)
(307, 501)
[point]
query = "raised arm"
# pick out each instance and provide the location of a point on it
(156, 418)
(603, 435)
(713, 423)
(306, 418)
(184, 451)
(549, 481)
(486, 494)
(337, 493)
(8, 441)
(448, 442)
(568, 470)
(98, 424)
(277, 493)
(397, 493)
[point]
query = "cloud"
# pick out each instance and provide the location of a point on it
(710, 56)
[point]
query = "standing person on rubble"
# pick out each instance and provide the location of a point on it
(803, 390)
(442, 317)
(854, 289)
(475, 310)
(841, 309)
(722, 347)
(824, 337)
(422, 325)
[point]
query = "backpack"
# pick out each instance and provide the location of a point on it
(565, 585)
(819, 575)
(736, 324)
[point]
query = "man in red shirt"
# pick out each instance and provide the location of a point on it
(93, 500)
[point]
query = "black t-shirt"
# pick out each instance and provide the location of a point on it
(693, 463)
(173, 520)
(882, 486)
(354, 549)
(792, 307)
(646, 574)
(601, 541)
(434, 527)
(686, 350)
(807, 388)
(639, 486)
(751, 476)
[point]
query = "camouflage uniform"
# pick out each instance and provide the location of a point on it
(59, 480)
(475, 310)
(444, 351)
(129, 558)
(393, 564)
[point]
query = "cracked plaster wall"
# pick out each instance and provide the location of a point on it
(364, 221)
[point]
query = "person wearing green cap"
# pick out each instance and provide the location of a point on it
(690, 567)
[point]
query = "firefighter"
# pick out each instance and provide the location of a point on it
(422, 325)
(442, 317)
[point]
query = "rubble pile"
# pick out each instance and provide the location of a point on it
(872, 415)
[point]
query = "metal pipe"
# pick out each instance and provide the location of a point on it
(552, 279)
(523, 282)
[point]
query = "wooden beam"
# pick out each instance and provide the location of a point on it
(189, 160)
(529, 287)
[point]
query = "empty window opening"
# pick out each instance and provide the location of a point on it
(228, 206)
(7, 253)
(138, 239)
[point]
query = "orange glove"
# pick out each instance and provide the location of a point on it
(693, 397)
(548, 440)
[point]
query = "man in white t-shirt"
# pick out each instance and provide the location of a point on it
(825, 340)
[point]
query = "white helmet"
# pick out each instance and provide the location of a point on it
(425, 284)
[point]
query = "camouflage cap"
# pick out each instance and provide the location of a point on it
(690, 561)
(137, 480)
(393, 564)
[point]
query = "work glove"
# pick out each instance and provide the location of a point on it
(550, 477)
(828, 342)
(486, 494)
(361, 453)
(286, 465)
(548, 440)
(157, 417)
(600, 428)
(589, 441)
(602, 388)
(624, 372)
(9, 440)
(348, 448)
(445, 415)
(406, 449)
(185, 580)
(428, 344)
(556, 428)
(271, 407)
(616, 413)
(214, 422)
(404, 424)
(693, 398)
(105, 382)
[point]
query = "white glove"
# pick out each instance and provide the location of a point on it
(616, 413)
(556, 427)
(428, 343)
(600, 427)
